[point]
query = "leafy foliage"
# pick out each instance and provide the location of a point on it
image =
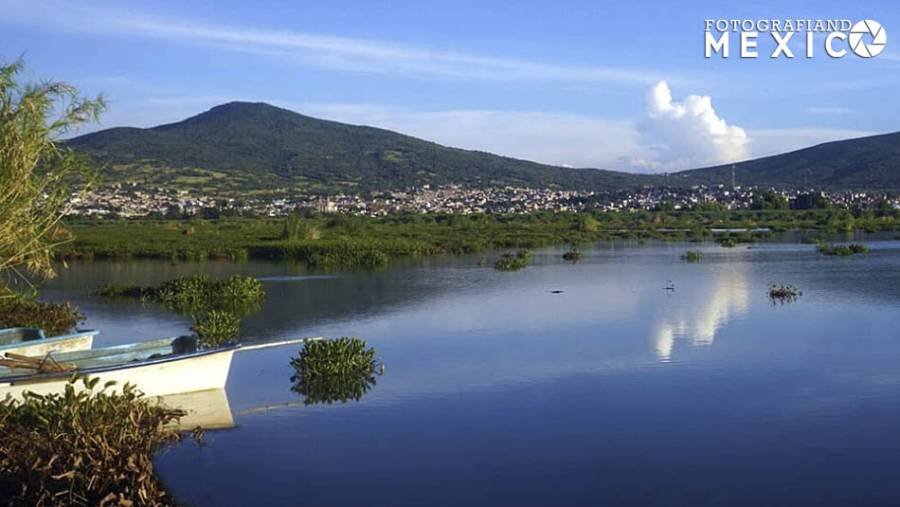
(35, 174)
(352, 242)
(216, 305)
(842, 250)
(692, 256)
(53, 318)
(513, 262)
(784, 293)
(217, 328)
(197, 294)
(83, 447)
(329, 371)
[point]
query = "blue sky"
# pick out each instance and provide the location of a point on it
(563, 82)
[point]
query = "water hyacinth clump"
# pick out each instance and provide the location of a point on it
(783, 293)
(337, 370)
(692, 256)
(842, 250)
(216, 328)
(215, 305)
(510, 262)
(197, 294)
(54, 318)
(572, 255)
(86, 446)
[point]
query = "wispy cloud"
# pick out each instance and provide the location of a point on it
(829, 110)
(324, 51)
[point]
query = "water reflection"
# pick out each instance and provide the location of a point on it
(705, 309)
(330, 389)
(204, 409)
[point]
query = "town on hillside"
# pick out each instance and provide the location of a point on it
(132, 200)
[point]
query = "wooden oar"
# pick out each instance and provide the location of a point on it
(41, 364)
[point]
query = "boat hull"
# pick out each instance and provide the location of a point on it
(80, 340)
(195, 372)
(204, 409)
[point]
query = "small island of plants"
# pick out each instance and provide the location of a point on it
(513, 262)
(783, 293)
(215, 305)
(692, 256)
(842, 250)
(337, 370)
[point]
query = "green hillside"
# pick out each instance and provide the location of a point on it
(255, 148)
(866, 163)
(241, 147)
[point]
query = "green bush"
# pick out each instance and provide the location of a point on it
(83, 448)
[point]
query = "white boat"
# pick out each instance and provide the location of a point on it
(205, 409)
(29, 341)
(156, 368)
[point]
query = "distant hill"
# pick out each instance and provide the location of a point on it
(245, 147)
(866, 163)
(255, 148)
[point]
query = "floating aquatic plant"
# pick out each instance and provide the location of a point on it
(842, 250)
(692, 256)
(329, 371)
(513, 262)
(784, 293)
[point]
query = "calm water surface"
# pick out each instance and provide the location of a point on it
(499, 392)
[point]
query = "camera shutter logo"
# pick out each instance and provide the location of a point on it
(872, 29)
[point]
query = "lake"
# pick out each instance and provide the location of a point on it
(498, 391)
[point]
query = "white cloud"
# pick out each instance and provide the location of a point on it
(688, 133)
(829, 110)
(552, 138)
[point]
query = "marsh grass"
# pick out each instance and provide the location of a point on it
(353, 242)
(83, 447)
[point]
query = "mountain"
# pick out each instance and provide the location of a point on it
(242, 147)
(866, 163)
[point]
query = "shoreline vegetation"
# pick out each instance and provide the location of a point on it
(74, 448)
(355, 242)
